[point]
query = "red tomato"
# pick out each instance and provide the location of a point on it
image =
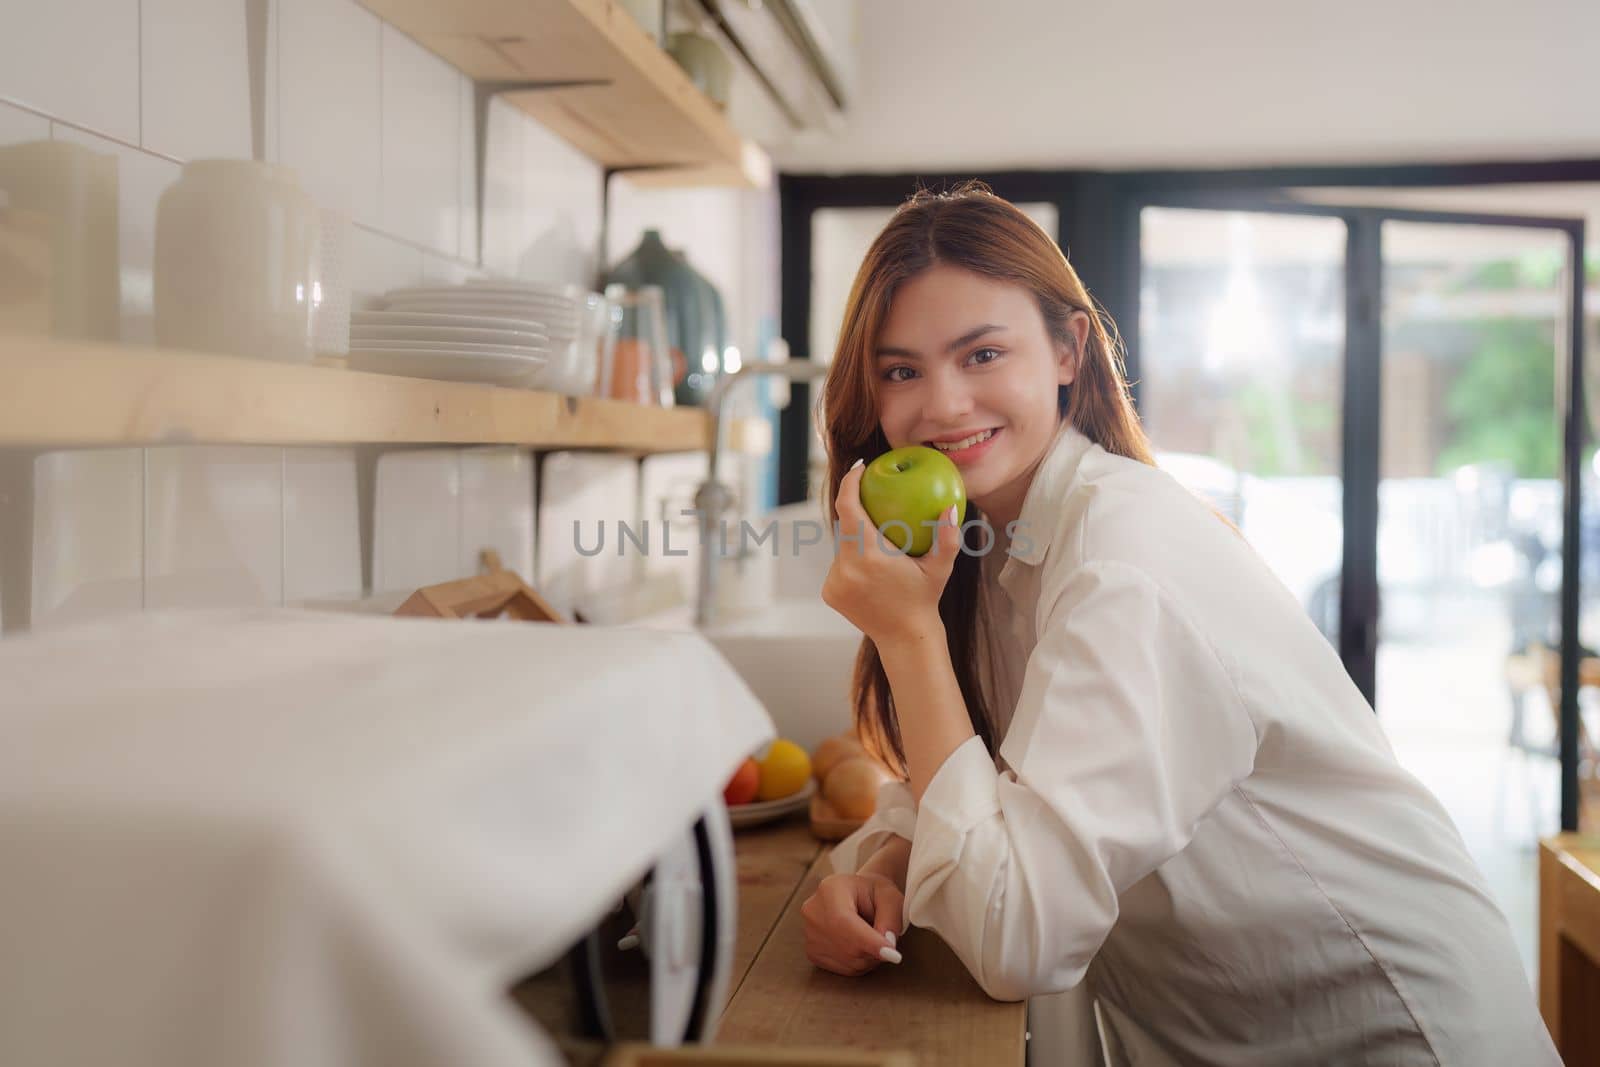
(741, 788)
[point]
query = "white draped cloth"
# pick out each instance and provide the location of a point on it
(272, 837)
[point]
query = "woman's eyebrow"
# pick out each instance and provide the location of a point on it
(960, 342)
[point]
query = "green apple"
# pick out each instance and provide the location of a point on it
(913, 485)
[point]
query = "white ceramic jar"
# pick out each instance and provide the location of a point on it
(237, 257)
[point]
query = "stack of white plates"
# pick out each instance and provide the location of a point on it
(555, 306)
(560, 311)
(499, 350)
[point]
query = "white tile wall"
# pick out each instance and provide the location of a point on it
(418, 520)
(321, 529)
(504, 223)
(497, 495)
(437, 270)
(585, 489)
(561, 209)
(376, 125)
(87, 569)
(141, 179)
(330, 89)
(77, 60)
(213, 527)
(17, 126)
(378, 264)
(194, 78)
(667, 486)
(421, 150)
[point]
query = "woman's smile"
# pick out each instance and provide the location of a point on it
(966, 448)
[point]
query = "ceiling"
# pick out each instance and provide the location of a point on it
(955, 86)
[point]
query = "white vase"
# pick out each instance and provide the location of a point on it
(237, 258)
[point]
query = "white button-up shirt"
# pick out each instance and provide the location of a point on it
(1193, 808)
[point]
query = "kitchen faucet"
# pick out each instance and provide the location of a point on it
(712, 498)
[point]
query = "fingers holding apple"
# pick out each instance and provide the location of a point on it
(852, 516)
(911, 499)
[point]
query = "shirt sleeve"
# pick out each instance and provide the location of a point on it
(1128, 731)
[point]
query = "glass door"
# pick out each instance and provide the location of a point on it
(1379, 398)
(1241, 380)
(1473, 339)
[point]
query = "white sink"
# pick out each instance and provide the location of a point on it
(794, 651)
(796, 655)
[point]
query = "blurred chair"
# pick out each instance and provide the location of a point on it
(1535, 674)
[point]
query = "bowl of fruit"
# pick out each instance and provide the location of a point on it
(770, 786)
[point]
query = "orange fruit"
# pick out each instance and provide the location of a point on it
(785, 769)
(831, 751)
(852, 787)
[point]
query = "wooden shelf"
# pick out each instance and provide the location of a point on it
(71, 394)
(633, 107)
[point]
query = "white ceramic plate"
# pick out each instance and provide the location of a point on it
(542, 288)
(559, 334)
(492, 368)
(523, 292)
(507, 294)
(466, 322)
(467, 348)
(482, 304)
(760, 811)
(448, 335)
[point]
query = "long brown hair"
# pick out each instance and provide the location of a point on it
(971, 228)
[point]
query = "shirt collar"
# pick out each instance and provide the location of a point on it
(1041, 506)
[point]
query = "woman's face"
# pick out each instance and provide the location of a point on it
(964, 364)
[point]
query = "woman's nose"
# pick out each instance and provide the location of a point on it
(947, 398)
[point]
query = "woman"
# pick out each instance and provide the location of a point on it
(1130, 763)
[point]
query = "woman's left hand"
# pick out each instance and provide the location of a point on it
(887, 595)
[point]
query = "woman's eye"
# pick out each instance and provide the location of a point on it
(992, 354)
(891, 375)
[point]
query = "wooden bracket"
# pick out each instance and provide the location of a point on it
(484, 596)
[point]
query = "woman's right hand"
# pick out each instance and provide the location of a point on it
(850, 920)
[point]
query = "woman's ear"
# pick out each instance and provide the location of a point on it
(1070, 354)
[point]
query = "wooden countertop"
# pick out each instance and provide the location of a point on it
(1569, 944)
(928, 1005)
(781, 1006)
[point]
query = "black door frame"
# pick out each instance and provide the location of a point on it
(1098, 216)
(1098, 229)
